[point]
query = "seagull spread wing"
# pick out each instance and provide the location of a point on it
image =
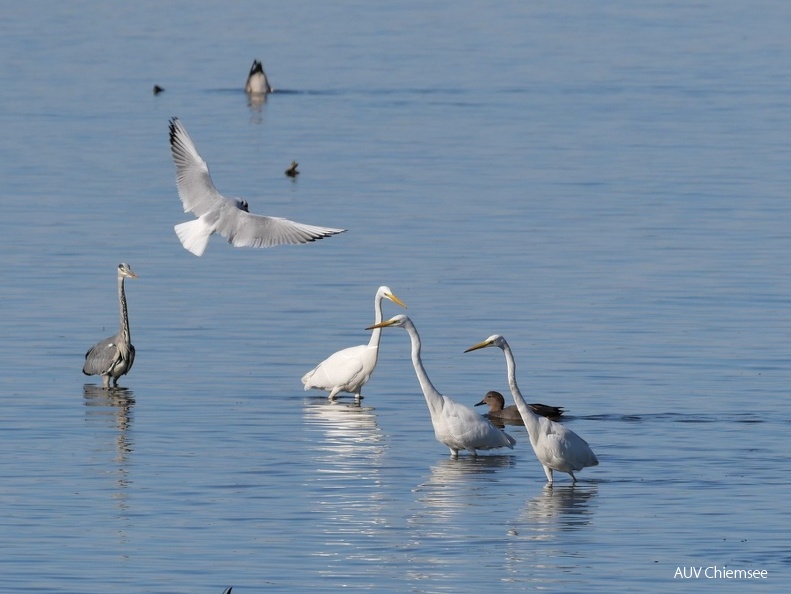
(196, 189)
(244, 229)
(228, 217)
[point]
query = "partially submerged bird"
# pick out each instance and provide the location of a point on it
(292, 169)
(498, 410)
(158, 89)
(257, 83)
(227, 216)
(113, 357)
(348, 370)
(556, 447)
(457, 426)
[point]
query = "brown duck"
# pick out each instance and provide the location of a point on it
(498, 410)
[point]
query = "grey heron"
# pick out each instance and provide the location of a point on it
(457, 426)
(349, 369)
(227, 216)
(113, 356)
(556, 447)
(498, 410)
(257, 83)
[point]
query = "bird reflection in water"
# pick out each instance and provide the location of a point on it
(113, 408)
(565, 507)
(538, 548)
(443, 521)
(346, 484)
(454, 486)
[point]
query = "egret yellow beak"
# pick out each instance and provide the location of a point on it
(396, 300)
(480, 345)
(384, 324)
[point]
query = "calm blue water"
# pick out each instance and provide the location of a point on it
(605, 184)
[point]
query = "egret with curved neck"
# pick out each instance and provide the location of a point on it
(457, 426)
(113, 357)
(348, 370)
(556, 447)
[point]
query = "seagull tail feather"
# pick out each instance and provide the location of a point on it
(194, 235)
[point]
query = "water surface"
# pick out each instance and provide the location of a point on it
(605, 185)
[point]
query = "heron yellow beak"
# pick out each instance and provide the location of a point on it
(480, 345)
(396, 300)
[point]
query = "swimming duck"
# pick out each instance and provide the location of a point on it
(498, 410)
(257, 83)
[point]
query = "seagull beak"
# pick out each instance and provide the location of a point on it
(395, 299)
(480, 345)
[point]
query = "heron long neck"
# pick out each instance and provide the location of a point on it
(433, 398)
(373, 342)
(528, 416)
(125, 336)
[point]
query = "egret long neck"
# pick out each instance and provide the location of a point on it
(530, 418)
(373, 342)
(433, 398)
(125, 336)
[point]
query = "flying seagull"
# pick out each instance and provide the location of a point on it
(229, 217)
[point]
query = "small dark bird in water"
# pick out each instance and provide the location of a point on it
(257, 83)
(158, 89)
(498, 410)
(292, 169)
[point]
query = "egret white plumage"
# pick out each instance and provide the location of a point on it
(456, 425)
(113, 356)
(348, 370)
(257, 83)
(556, 447)
(227, 216)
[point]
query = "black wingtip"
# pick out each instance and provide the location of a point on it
(172, 128)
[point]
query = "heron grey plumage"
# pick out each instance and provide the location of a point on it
(257, 83)
(227, 216)
(113, 356)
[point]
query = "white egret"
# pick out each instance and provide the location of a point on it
(227, 216)
(349, 369)
(556, 447)
(498, 410)
(457, 426)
